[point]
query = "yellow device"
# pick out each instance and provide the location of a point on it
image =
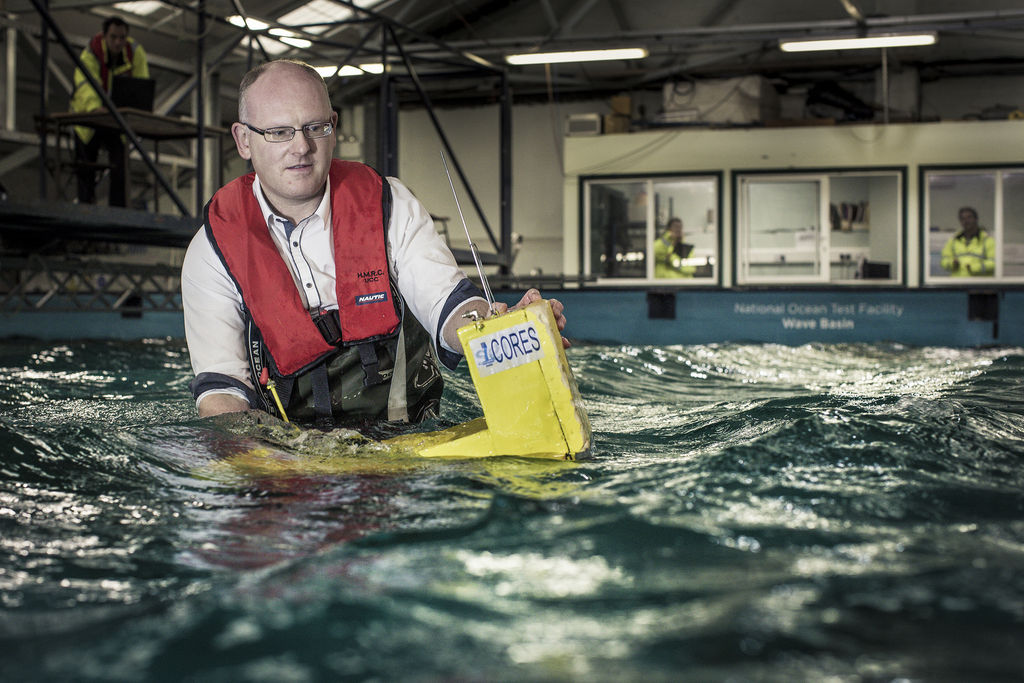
(532, 406)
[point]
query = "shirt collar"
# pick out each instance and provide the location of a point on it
(274, 222)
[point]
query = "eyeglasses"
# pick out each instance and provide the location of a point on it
(286, 133)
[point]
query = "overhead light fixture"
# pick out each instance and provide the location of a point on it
(290, 38)
(317, 16)
(253, 24)
(577, 56)
(143, 8)
(860, 43)
(348, 70)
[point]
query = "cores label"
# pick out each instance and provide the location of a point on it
(507, 348)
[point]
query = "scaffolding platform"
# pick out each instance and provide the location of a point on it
(39, 222)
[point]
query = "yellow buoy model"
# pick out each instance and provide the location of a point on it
(531, 404)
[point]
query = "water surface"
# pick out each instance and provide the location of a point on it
(749, 512)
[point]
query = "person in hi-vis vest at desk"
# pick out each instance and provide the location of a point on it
(972, 251)
(109, 54)
(670, 251)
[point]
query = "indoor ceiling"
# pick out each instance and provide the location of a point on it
(454, 44)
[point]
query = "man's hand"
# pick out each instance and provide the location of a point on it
(450, 332)
(533, 295)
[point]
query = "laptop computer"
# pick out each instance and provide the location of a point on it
(135, 93)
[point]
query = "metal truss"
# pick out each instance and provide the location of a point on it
(62, 284)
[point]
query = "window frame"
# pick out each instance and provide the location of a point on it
(998, 227)
(825, 177)
(650, 179)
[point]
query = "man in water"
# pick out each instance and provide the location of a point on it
(315, 282)
(109, 54)
(669, 252)
(972, 251)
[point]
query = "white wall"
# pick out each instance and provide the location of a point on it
(536, 174)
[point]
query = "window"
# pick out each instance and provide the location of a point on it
(644, 229)
(618, 229)
(974, 226)
(838, 228)
(1013, 225)
(686, 229)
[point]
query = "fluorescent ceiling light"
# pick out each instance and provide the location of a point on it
(577, 56)
(281, 34)
(349, 70)
(254, 24)
(322, 12)
(866, 42)
(297, 42)
(142, 8)
(289, 37)
(273, 46)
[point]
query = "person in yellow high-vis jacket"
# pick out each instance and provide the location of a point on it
(670, 250)
(109, 54)
(972, 251)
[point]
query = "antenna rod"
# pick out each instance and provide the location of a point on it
(472, 247)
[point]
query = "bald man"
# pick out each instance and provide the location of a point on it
(318, 289)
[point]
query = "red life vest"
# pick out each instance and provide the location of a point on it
(366, 307)
(96, 45)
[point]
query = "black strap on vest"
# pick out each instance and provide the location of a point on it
(284, 390)
(321, 396)
(371, 365)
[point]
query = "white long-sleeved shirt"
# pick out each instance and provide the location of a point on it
(422, 267)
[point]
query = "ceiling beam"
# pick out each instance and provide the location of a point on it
(718, 12)
(19, 6)
(670, 37)
(620, 15)
(575, 15)
(549, 14)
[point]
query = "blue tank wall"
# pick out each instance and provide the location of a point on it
(921, 317)
(664, 317)
(66, 326)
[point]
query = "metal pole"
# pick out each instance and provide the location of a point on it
(885, 86)
(505, 248)
(387, 126)
(200, 106)
(44, 56)
(10, 80)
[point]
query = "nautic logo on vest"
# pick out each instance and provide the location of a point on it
(507, 348)
(374, 298)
